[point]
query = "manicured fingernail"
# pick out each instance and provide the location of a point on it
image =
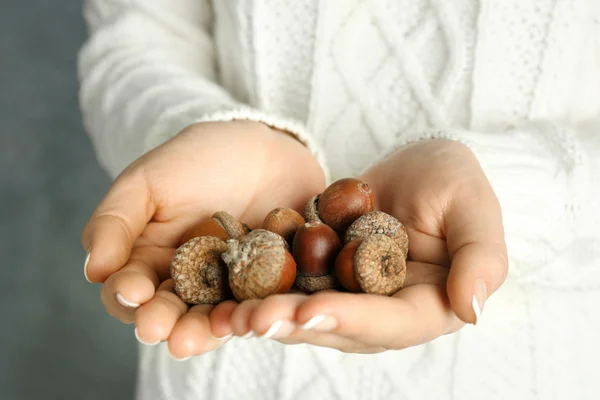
(479, 298)
(249, 335)
(85, 266)
(279, 329)
(178, 359)
(321, 323)
(223, 338)
(126, 303)
(135, 332)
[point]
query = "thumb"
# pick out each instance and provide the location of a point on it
(113, 228)
(479, 262)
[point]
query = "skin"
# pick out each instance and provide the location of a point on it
(435, 187)
(438, 189)
(134, 231)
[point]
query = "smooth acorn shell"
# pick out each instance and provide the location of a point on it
(221, 225)
(208, 227)
(284, 222)
(343, 202)
(315, 248)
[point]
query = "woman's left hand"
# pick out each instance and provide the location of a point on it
(439, 191)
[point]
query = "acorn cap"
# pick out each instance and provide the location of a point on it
(234, 228)
(378, 222)
(311, 284)
(256, 262)
(310, 209)
(379, 265)
(199, 274)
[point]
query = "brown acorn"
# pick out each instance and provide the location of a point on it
(259, 265)
(343, 202)
(221, 225)
(378, 222)
(374, 264)
(199, 274)
(315, 248)
(284, 222)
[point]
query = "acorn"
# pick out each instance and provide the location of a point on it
(378, 222)
(315, 248)
(259, 265)
(343, 202)
(284, 222)
(221, 225)
(374, 264)
(199, 274)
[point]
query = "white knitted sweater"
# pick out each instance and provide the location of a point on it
(517, 80)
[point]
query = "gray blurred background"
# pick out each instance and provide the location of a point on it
(56, 342)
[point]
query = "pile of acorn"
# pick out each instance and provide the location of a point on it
(340, 243)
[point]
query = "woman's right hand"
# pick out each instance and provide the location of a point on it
(242, 167)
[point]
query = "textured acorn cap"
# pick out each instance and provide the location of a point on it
(379, 265)
(256, 263)
(234, 228)
(311, 284)
(378, 222)
(310, 209)
(199, 273)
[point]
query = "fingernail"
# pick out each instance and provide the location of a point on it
(178, 359)
(479, 298)
(223, 338)
(279, 329)
(135, 332)
(249, 335)
(85, 266)
(126, 303)
(321, 323)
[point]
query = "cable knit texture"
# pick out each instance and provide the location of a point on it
(517, 81)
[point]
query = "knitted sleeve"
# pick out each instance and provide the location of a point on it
(147, 71)
(547, 179)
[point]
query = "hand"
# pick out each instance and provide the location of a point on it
(439, 191)
(244, 168)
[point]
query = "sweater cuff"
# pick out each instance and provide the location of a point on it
(295, 128)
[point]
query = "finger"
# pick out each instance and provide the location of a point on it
(427, 248)
(135, 283)
(155, 320)
(115, 225)
(426, 239)
(191, 335)
(240, 319)
(275, 317)
(330, 340)
(220, 320)
(476, 245)
(415, 315)
(420, 273)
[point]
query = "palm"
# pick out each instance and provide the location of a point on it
(438, 190)
(243, 168)
(246, 173)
